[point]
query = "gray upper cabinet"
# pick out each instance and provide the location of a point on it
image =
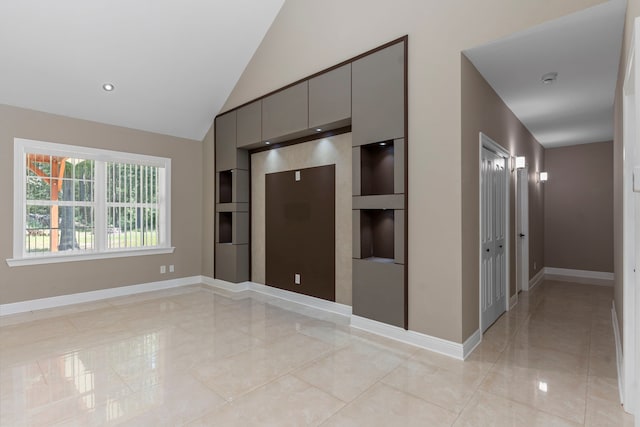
(378, 96)
(330, 97)
(226, 142)
(249, 124)
(286, 112)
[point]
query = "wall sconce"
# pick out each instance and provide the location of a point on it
(521, 162)
(543, 177)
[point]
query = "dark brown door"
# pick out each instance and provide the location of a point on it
(300, 231)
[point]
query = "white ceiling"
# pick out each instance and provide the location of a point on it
(584, 49)
(173, 63)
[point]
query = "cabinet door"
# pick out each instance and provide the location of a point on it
(226, 142)
(378, 291)
(330, 97)
(285, 112)
(249, 124)
(378, 96)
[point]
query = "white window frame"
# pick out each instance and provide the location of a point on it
(22, 147)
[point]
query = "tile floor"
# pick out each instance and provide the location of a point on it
(197, 357)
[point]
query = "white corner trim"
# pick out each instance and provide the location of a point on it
(63, 300)
(580, 276)
(227, 286)
(438, 345)
(536, 280)
(471, 343)
(513, 301)
(619, 354)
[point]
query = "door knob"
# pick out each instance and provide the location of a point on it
(522, 235)
(487, 249)
(500, 246)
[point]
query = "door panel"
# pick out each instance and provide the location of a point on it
(300, 231)
(522, 231)
(493, 237)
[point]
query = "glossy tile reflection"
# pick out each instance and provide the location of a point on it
(195, 356)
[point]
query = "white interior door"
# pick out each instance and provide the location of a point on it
(522, 231)
(493, 270)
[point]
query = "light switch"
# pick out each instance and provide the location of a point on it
(636, 179)
(297, 279)
(297, 175)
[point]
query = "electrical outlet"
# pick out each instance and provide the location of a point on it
(163, 269)
(172, 268)
(297, 279)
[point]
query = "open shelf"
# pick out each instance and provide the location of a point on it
(225, 227)
(376, 162)
(225, 187)
(377, 234)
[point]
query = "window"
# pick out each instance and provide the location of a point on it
(75, 203)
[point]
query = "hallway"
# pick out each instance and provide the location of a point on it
(195, 356)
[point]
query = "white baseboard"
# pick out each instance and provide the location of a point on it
(536, 280)
(417, 339)
(438, 345)
(579, 276)
(318, 303)
(63, 300)
(227, 286)
(619, 354)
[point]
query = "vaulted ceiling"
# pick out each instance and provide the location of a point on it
(173, 63)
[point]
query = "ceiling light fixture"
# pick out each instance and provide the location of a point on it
(108, 87)
(549, 78)
(318, 129)
(267, 142)
(383, 144)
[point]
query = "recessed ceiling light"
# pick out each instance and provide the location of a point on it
(383, 143)
(318, 129)
(267, 142)
(108, 87)
(549, 78)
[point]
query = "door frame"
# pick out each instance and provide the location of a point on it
(628, 377)
(491, 145)
(522, 262)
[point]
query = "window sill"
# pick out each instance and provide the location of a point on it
(53, 259)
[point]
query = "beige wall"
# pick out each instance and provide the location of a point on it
(335, 150)
(633, 10)
(32, 282)
(438, 32)
(578, 207)
(484, 111)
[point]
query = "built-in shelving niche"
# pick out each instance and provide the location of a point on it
(377, 163)
(377, 235)
(225, 227)
(225, 188)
